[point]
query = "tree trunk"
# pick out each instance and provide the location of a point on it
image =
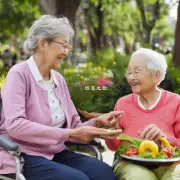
(93, 42)
(127, 47)
(65, 8)
(99, 29)
(176, 55)
(96, 35)
(147, 36)
(148, 24)
(48, 6)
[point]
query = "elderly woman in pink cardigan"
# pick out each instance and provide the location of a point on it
(149, 113)
(39, 115)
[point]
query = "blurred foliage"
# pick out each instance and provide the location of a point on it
(16, 15)
(2, 79)
(174, 75)
(163, 29)
(123, 18)
(82, 83)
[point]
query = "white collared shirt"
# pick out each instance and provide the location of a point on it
(57, 114)
(158, 99)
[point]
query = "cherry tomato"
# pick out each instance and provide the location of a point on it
(132, 152)
(168, 152)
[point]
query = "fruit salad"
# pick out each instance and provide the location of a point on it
(146, 148)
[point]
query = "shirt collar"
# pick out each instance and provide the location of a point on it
(35, 71)
(157, 100)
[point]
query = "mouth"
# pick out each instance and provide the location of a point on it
(133, 84)
(60, 59)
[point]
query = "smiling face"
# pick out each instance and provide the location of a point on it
(54, 51)
(139, 77)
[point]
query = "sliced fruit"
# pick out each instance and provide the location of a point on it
(148, 145)
(165, 142)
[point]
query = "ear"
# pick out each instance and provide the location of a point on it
(42, 44)
(157, 76)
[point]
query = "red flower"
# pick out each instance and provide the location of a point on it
(104, 82)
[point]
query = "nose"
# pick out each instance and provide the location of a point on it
(131, 76)
(66, 51)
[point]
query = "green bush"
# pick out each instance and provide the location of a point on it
(106, 64)
(174, 75)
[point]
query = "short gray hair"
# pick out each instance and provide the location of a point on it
(155, 61)
(47, 27)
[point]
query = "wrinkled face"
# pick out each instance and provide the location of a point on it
(55, 51)
(139, 77)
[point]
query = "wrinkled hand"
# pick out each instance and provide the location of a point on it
(85, 134)
(151, 132)
(110, 119)
(112, 136)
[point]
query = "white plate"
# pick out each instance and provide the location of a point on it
(151, 162)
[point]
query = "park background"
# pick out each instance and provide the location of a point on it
(107, 32)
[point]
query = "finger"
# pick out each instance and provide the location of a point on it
(118, 117)
(111, 133)
(139, 132)
(95, 129)
(100, 131)
(158, 137)
(106, 123)
(150, 133)
(115, 113)
(96, 133)
(113, 122)
(108, 137)
(155, 135)
(117, 125)
(145, 131)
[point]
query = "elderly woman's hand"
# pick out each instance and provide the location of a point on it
(110, 119)
(86, 133)
(151, 132)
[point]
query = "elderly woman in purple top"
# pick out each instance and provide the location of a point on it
(39, 115)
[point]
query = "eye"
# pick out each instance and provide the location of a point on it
(136, 71)
(64, 46)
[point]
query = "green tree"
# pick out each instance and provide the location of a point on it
(123, 21)
(176, 55)
(151, 11)
(163, 29)
(95, 14)
(16, 15)
(131, 20)
(108, 19)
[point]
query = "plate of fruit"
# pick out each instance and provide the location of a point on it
(147, 152)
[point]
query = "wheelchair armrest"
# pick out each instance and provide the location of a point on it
(8, 145)
(94, 142)
(93, 145)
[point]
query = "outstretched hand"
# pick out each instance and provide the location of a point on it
(85, 134)
(110, 119)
